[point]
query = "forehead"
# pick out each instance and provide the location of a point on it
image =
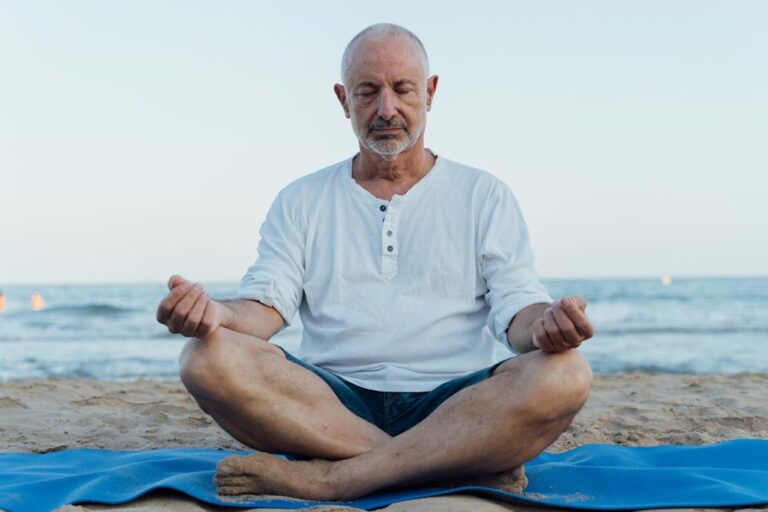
(386, 60)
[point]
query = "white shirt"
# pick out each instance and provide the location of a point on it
(401, 295)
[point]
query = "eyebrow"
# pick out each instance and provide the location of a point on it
(374, 85)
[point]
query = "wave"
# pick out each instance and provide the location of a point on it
(81, 309)
(602, 368)
(633, 296)
(90, 338)
(684, 330)
(660, 299)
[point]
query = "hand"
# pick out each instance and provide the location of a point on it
(187, 309)
(563, 326)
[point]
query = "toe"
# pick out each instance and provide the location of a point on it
(230, 490)
(231, 465)
(229, 481)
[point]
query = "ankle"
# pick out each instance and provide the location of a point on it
(338, 480)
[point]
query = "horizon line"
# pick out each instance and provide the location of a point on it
(544, 278)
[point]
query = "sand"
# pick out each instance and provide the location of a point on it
(632, 409)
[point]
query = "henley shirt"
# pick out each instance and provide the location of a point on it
(399, 295)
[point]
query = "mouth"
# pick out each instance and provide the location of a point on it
(386, 130)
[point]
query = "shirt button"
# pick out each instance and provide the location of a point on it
(383, 208)
(389, 233)
(390, 248)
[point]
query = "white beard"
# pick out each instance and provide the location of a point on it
(390, 147)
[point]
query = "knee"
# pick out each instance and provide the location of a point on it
(193, 363)
(218, 364)
(199, 364)
(571, 369)
(563, 382)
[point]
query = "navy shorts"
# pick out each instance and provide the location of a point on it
(393, 412)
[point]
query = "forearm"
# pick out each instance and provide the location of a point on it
(251, 317)
(519, 333)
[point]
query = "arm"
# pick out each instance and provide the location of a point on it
(555, 327)
(515, 295)
(269, 294)
(520, 332)
(188, 310)
(522, 314)
(251, 317)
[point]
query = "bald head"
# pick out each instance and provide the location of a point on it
(379, 33)
(386, 92)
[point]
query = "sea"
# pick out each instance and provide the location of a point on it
(109, 332)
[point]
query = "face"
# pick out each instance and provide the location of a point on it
(387, 95)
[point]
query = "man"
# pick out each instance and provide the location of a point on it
(397, 259)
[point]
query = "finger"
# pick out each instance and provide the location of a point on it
(182, 309)
(195, 316)
(554, 331)
(547, 345)
(570, 334)
(578, 317)
(165, 309)
(579, 301)
(537, 327)
(544, 343)
(175, 281)
(211, 319)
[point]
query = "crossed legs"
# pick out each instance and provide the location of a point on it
(273, 405)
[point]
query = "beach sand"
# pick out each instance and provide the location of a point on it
(632, 409)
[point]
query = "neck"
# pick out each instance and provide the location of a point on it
(405, 168)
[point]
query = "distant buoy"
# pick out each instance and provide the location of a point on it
(666, 280)
(2, 302)
(36, 302)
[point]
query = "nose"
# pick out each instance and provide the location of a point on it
(387, 105)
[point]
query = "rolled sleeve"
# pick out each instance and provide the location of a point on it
(507, 262)
(276, 278)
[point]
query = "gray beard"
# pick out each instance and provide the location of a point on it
(390, 147)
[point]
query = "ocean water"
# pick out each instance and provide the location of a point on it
(110, 331)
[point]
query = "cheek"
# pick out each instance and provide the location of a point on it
(359, 121)
(414, 106)
(415, 115)
(362, 114)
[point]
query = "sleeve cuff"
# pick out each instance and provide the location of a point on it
(268, 296)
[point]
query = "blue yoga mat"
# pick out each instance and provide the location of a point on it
(591, 477)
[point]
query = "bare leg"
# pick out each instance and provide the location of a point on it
(493, 426)
(269, 403)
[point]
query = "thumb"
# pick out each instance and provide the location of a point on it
(175, 281)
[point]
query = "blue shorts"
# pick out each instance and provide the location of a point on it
(393, 412)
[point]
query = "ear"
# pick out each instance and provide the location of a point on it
(431, 88)
(341, 94)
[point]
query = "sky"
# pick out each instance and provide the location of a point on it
(146, 138)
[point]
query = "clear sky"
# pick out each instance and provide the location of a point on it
(144, 138)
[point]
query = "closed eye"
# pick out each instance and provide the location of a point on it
(404, 86)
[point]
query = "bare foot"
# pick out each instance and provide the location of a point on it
(512, 480)
(261, 473)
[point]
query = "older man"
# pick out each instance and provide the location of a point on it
(407, 268)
